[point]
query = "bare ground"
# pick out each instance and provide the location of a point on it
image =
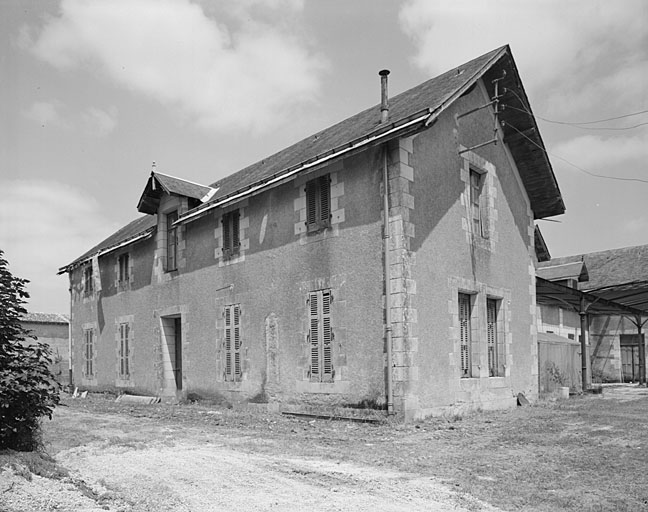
(586, 453)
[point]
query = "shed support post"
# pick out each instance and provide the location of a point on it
(584, 324)
(642, 353)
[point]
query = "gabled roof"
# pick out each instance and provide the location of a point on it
(552, 271)
(433, 96)
(136, 230)
(159, 184)
(409, 111)
(541, 249)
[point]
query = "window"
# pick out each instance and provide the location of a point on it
(318, 208)
(465, 310)
(231, 234)
(172, 241)
(124, 350)
(88, 280)
(88, 353)
(475, 199)
(124, 272)
(320, 336)
(232, 315)
(495, 341)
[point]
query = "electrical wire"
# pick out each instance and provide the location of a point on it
(579, 124)
(618, 178)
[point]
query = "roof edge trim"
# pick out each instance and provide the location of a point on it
(140, 236)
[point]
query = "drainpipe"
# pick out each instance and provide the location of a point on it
(384, 118)
(70, 338)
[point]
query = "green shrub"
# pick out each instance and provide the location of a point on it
(28, 390)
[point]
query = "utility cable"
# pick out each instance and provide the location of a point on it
(574, 165)
(578, 123)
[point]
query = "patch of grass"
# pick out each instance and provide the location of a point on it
(27, 464)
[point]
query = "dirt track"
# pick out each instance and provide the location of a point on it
(140, 464)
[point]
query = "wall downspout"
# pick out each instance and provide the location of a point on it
(70, 339)
(384, 118)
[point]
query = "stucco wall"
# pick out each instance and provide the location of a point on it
(55, 335)
(270, 281)
(450, 260)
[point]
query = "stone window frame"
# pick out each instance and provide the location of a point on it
(171, 264)
(123, 284)
(487, 236)
(336, 201)
(233, 366)
(224, 257)
(88, 280)
(321, 339)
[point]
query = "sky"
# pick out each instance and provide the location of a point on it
(92, 92)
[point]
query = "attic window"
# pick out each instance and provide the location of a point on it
(88, 287)
(318, 204)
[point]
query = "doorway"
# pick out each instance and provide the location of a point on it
(630, 357)
(171, 330)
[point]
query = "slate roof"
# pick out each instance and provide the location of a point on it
(553, 271)
(45, 318)
(433, 96)
(159, 183)
(612, 267)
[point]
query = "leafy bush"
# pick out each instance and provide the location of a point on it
(28, 390)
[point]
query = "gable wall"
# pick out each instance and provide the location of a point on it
(447, 259)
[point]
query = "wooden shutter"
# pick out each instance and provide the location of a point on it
(311, 203)
(89, 349)
(235, 231)
(228, 342)
(227, 236)
(172, 241)
(475, 200)
(465, 335)
(320, 335)
(314, 337)
(325, 199)
(236, 327)
(327, 337)
(491, 327)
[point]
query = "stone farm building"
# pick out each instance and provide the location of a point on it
(269, 285)
(52, 329)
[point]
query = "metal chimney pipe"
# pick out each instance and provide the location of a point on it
(384, 99)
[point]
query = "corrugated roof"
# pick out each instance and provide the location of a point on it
(45, 318)
(431, 96)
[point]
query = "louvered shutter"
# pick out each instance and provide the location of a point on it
(325, 196)
(126, 349)
(311, 203)
(228, 343)
(235, 231)
(464, 328)
(327, 337)
(237, 340)
(491, 323)
(314, 335)
(227, 236)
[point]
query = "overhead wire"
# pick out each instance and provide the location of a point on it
(619, 178)
(578, 125)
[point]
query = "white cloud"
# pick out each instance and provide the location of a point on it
(611, 156)
(98, 121)
(46, 225)
(47, 113)
(221, 73)
(571, 55)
